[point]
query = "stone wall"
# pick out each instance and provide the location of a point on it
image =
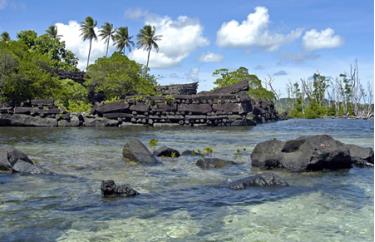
(222, 107)
(178, 89)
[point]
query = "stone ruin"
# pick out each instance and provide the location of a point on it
(229, 106)
(178, 89)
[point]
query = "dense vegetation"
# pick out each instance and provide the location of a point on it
(322, 96)
(27, 67)
(227, 78)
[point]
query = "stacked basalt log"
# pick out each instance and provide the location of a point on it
(230, 106)
(178, 89)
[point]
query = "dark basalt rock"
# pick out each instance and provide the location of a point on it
(207, 163)
(136, 151)
(26, 120)
(165, 151)
(361, 156)
(309, 153)
(116, 107)
(259, 180)
(234, 89)
(110, 189)
(13, 160)
(190, 153)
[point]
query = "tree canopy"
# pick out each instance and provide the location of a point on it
(227, 78)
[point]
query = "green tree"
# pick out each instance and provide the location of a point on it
(107, 32)
(88, 33)
(227, 78)
(123, 40)
(71, 96)
(28, 37)
(117, 77)
(5, 37)
(147, 39)
(52, 32)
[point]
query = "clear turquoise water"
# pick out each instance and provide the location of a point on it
(179, 201)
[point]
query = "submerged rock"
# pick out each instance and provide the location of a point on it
(190, 153)
(361, 156)
(136, 151)
(109, 188)
(13, 160)
(259, 180)
(309, 153)
(165, 151)
(207, 163)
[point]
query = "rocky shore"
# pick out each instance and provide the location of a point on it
(230, 106)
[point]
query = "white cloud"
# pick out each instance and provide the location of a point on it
(211, 57)
(71, 34)
(253, 31)
(178, 39)
(313, 39)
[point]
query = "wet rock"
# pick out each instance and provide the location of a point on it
(306, 153)
(136, 151)
(259, 180)
(26, 120)
(13, 160)
(100, 122)
(165, 151)
(190, 153)
(111, 108)
(109, 188)
(208, 162)
(361, 156)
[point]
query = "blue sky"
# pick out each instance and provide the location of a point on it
(286, 40)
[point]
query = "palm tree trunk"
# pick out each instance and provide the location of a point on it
(148, 59)
(88, 58)
(106, 53)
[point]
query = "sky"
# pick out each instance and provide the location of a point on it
(283, 40)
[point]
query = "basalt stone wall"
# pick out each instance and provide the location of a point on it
(230, 106)
(192, 110)
(178, 89)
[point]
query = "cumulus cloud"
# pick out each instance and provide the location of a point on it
(211, 57)
(71, 34)
(179, 38)
(280, 73)
(314, 39)
(253, 32)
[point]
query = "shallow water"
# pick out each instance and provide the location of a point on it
(179, 201)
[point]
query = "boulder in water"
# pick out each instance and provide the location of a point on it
(109, 188)
(208, 162)
(306, 153)
(259, 180)
(13, 160)
(165, 151)
(136, 151)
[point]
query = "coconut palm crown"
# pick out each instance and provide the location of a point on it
(147, 40)
(123, 40)
(107, 33)
(88, 33)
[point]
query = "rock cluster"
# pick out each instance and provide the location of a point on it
(135, 151)
(310, 153)
(110, 189)
(15, 161)
(258, 180)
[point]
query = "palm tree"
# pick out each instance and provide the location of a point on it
(147, 40)
(123, 40)
(52, 32)
(107, 33)
(5, 37)
(88, 33)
